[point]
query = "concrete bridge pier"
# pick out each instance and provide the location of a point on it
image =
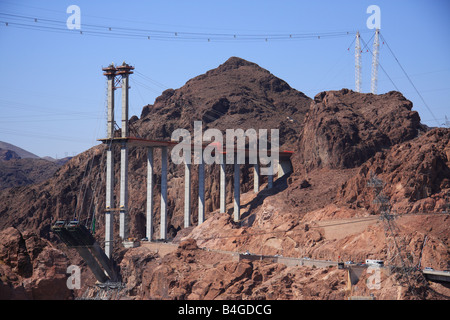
(223, 186)
(123, 220)
(284, 167)
(163, 227)
(270, 179)
(187, 194)
(149, 229)
(256, 177)
(110, 72)
(109, 215)
(237, 191)
(201, 191)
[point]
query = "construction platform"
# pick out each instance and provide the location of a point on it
(76, 235)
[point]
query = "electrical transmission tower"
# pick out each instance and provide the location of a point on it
(398, 259)
(375, 58)
(358, 63)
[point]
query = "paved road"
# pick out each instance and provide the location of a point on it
(164, 248)
(437, 275)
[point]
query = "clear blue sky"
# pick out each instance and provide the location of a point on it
(53, 92)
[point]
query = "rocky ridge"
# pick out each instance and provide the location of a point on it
(340, 139)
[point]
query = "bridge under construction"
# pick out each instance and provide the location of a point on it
(75, 235)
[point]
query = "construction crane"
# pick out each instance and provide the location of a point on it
(375, 62)
(358, 62)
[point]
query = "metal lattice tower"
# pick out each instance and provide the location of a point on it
(105, 291)
(358, 63)
(375, 61)
(398, 259)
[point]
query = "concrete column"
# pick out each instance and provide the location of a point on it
(201, 191)
(123, 230)
(284, 167)
(123, 222)
(187, 194)
(149, 229)
(104, 261)
(270, 179)
(256, 177)
(109, 217)
(110, 115)
(109, 202)
(92, 263)
(223, 186)
(237, 191)
(163, 227)
(125, 130)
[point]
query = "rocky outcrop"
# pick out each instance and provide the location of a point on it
(6, 155)
(416, 174)
(340, 139)
(31, 268)
(20, 172)
(19, 167)
(344, 128)
(192, 273)
(237, 94)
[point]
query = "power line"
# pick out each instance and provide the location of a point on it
(410, 81)
(51, 25)
(147, 78)
(143, 85)
(38, 135)
(379, 64)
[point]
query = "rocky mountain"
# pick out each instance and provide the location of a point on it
(6, 155)
(19, 167)
(59, 162)
(21, 153)
(339, 139)
(236, 83)
(237, 94)
(343, 128)
(21, 172)
(416, 174)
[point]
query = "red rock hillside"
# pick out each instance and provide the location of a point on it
(322, 210)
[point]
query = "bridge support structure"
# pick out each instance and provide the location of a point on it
(125, 142)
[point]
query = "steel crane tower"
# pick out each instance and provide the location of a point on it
(375, 62)
(358, 63)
